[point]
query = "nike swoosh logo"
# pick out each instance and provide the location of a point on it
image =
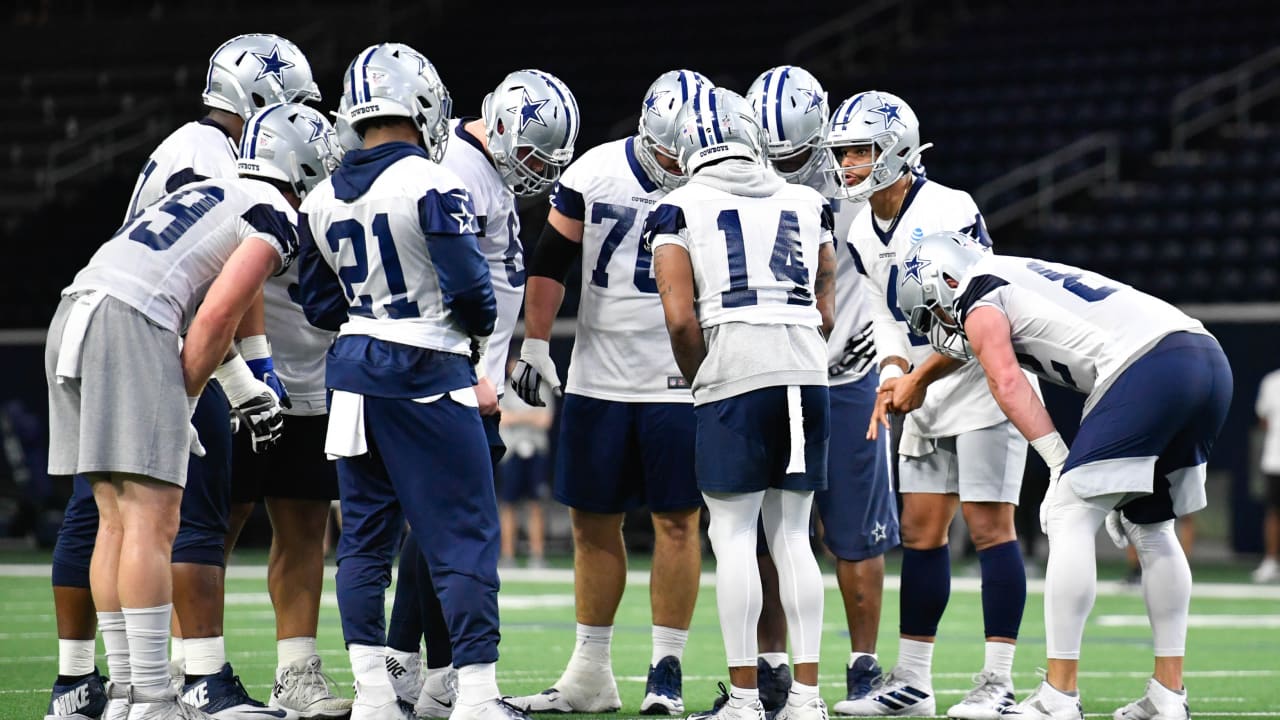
(265, 713)
(440, 702)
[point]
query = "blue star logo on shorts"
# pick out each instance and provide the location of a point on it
(879, 533)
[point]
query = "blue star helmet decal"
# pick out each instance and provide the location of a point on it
(815, 99)
(651, 102)
(317, 129)
(272, 64)
(889, 114)
(530, 110)
(466, 219)
(913, 266)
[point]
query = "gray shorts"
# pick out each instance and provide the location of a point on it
(980, 466)
(127, 412)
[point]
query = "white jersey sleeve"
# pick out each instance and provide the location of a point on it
(621, 351)
(498, 232)
(961, 401)
(1069, 326)
(163, 261)
(196, 151)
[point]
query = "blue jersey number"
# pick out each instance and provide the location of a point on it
(183, 209)
(399, 305)
(624, 218)
(786, 261)
(512, 260)
(1073, 283)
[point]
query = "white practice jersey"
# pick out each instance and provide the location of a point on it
(1267, 406)
(377, 246)
(162, 262)
(1069, 326)
(201, 150)
(197, 151)
(621, 351)
(499, 237)
(850, 347)
(961, 401)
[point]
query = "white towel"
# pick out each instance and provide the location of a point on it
(345, 436)
(73, 331)
(795, 426)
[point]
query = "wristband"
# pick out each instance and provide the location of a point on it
(1052, 449)
(889, 372)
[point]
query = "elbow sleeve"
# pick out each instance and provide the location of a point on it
(554, 256)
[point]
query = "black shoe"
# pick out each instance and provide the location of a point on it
(774, 684)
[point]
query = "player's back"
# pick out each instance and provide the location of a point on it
(163, 261)
(1070, 326)
(198, 150)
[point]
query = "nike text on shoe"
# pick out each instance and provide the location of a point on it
(991, 695)
(304, 688)
(1158, 703)
(222, 696)
(898, 694)
(406, 681)
(663, 693)
(774, 684)
(492, 710)
(85, 699)
(577, 691)
(859, 679)
(1046, 704)
(439, 693)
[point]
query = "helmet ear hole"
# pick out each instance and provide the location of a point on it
(258, 100)
(950, 281)
(500, 128)
(308, 170)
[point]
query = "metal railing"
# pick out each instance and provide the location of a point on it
(101, 143)
(1228, 95)
(849, 42)
(1083, 164)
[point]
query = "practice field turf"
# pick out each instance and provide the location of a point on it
(1233, 671)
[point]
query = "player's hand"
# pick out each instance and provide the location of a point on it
(193, 438)
(1054, 472)
(535, 373)
(261, 416)
(487, 396)
(880, 413)
(257, 355)
(907, 393)
(1118, 528)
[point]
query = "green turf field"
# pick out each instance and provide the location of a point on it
(1233, 670)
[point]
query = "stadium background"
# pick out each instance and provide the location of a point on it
(1136, 139)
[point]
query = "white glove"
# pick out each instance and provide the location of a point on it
(1054, 452)
(535, 371)
(253, 401)
(1117, 526)
(193, 441)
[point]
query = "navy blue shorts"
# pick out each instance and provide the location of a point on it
(295, 469)
(616, 456)
(1151, 433)
(858, 510)
(744, 442)
(74, 548)
(522, 478)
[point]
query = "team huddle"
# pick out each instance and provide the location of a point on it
(762, 278)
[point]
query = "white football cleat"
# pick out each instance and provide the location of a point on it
(1267, 572)
(406, 679)
(815, 709)
(304, 688)
(387, 710)
(987, 700)
(1158, 703)
(579, 690)
(898, 694)
(1046, 703)
(494, 709)
(722, 710)
(439, 693)
(167, 707)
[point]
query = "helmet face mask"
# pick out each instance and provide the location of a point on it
(531, 123)
(291, 144)
(930, 275)
(791, 107)
(887, 125)
(249, 72)
(394, 80)
(717, 124)
(657, 128)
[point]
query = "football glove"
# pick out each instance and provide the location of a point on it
(256, 352)
(535, 373)
(193, 438)
(253, 401)
(1118, 528)
(1054, 452)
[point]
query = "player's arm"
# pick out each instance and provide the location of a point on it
(673, 270)
(989, 333)
(824, 287)
(465, 284)
(907, 393)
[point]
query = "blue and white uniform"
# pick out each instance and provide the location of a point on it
(627, 425)
(1124, 350)
(199, 150)
(394, 267)
(959, 441)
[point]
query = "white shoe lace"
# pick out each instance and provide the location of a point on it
(990, 688)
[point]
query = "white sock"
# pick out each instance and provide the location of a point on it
(592, 646)
(999, 659)
(917, 657)
(668, 642)
(147, 630)
(853, 657)
(477, 684)
(369, 667)
(294, 650)
(774, 659)
(205, 656)
(116, 644)
(75, 657)
(177, 654)
(741, 697)
(801, 693)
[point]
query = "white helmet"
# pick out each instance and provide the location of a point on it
(658, 130)
(930, 274)
(792, 109)
(887, 124)
(394, 80)
(531, 122)
(715, 124)
(250, 72)
(291, 144)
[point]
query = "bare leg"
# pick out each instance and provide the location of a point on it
(537, 530)
(510, 529)
(295, 566)
(862, 588)
(599, 566)
(677, 562)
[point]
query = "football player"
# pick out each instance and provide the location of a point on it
(744, 261)
(516, 148)
(858, 509)
(195, 261)
(1139, 457)
(959, 449)
(245, 74)
(396, 270)
(626, 429)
